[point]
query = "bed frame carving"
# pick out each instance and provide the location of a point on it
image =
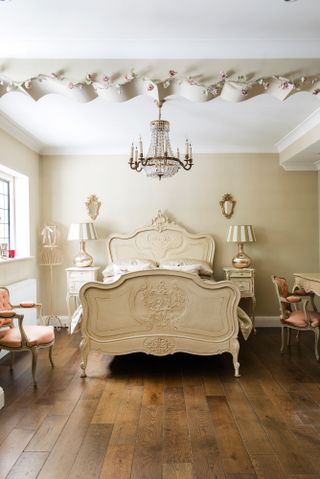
(160, 312)
(160, 240)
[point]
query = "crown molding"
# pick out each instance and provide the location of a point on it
(300, 166)
(306, 125)
(14, 130)
(161, 48)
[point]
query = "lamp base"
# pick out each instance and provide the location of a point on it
(241, 260)
(83, 259)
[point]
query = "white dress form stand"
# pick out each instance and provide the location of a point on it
(51, 256)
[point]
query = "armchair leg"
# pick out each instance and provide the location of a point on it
(50, 356)
(288, 336)
(316, 343)
(34, 351)
(11, 360)
(313, 303)
(282, 339)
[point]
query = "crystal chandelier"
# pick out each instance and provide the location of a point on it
(160, 161)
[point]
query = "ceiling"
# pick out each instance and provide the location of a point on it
(252, 38)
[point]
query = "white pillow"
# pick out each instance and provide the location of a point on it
(188, 266)
(185, 268)
(128, 266)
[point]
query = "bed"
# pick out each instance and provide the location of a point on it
(160, 311)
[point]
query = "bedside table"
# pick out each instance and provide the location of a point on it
(76, 277)
(244, 279)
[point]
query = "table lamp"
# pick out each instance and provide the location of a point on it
(82, 232)
(241, 234)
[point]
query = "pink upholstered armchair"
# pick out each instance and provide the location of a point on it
(292, 317)
(23, 338)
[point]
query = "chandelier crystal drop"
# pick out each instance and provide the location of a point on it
(160, 161)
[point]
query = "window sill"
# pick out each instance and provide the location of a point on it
(14, 260)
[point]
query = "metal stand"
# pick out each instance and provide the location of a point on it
(51, 256)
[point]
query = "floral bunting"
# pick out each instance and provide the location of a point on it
(131, 85)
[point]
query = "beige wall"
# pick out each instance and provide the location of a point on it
(318, 217)
(18, 157)
(282, 206)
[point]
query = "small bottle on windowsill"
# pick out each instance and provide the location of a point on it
(4, 250)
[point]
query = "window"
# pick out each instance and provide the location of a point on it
(14, 211)
(6, 211)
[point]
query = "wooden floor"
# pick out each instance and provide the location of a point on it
(182, 416)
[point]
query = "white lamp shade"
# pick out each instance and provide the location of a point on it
(82, 231)
(241, 234)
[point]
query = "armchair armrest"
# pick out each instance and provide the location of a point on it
(292, 298)
(27, 304)
(302, 292)
(30, 305)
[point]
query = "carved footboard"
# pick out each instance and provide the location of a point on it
(160, 312)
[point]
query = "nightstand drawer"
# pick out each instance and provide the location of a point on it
(245, 285)
(75, 285)
(78, 277)
(81, 275)
(240, 274)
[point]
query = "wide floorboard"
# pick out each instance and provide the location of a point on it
(183, 416)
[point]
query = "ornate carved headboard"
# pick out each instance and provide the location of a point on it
(161, 240)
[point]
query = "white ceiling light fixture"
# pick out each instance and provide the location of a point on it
(160, 161)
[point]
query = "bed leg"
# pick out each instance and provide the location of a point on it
(84, 355)
(235, 347)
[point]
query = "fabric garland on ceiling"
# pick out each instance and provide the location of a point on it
(234, 90)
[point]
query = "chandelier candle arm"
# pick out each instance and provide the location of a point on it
(159, 161)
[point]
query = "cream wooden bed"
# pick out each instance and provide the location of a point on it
(160, 312)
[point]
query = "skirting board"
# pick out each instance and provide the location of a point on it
(1, 398)
(65, 321)
(267, 321)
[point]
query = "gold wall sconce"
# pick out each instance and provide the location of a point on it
(93, 206)
(227, 205)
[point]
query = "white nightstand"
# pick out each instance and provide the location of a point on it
(244, 279)
(76, 277)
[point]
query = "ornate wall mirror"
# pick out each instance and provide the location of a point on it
(227, 205)
(93, 206)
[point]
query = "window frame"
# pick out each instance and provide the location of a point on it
(9, 179)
